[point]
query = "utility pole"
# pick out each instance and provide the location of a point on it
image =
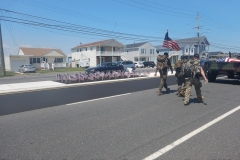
(2, 54)
(198, 32)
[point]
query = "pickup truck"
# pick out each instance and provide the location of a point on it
(213, 68)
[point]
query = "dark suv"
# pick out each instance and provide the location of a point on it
(149, 64)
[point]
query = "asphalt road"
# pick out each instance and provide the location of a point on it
(131, 126)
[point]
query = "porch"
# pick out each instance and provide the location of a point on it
(109, 53)
(107, 59)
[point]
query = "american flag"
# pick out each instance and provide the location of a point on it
(228, 60)
(169, 43)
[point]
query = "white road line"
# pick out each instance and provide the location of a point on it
(188, 136)
(99, 99)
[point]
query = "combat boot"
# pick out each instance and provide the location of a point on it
(200, 100)
(168, 90)
(159, 93)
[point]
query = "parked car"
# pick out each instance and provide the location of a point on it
(127, 64)
(27, 68)
(104, 67)
(149, 64)
(139, 64)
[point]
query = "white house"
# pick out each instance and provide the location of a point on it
(96, 52)
(189, 47)
(143, 51)
(35, 56)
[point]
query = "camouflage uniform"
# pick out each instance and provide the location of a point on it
(197, 84)
(179, 77)
(163, 78)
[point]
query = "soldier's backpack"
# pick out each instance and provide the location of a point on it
(162, 62)
(191, 69)
(178, 66)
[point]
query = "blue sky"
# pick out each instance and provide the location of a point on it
(65, 24)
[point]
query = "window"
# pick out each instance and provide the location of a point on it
(91, 48)
(86, 49)
(143, 51)
(34, 60)
(58, 60)
(129, 62)
(102, 49)
(192, 50)
(114, 49)
(80, 50)
(77, 50)
(186, 50)
(114, 64)
(151, 51)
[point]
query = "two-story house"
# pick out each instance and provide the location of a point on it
(96, 52)
(143, 51)
(189, 47)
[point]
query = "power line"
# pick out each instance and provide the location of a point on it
(146, 9)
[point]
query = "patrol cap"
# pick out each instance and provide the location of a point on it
(166, 54)
(196, 55)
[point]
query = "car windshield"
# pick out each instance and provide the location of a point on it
(28, 65)
(119, 62)
(101, 65)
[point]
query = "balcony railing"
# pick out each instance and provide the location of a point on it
(110, 53)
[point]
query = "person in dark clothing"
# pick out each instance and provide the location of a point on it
(163, 75)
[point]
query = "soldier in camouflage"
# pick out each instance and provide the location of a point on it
(194, 80)
(163, 76)
(180, 79)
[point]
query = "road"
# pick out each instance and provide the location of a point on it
(86, 123)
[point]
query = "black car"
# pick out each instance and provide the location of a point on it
(104, 67)
(149, 64)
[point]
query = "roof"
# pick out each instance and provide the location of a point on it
(92, 44)
(135, 45)
(187, 41)
(39, 51)
(192, 41)
(215, 53)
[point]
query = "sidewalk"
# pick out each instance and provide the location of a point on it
(41, 85)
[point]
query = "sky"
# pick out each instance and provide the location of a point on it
(64, 24)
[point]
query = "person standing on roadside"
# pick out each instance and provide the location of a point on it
(163, 63)
(191, 72)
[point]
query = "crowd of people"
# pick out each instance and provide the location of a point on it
(187, 74)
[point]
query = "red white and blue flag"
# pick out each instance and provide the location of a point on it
(169, 43)
(228, 60)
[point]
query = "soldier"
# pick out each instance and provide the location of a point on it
(193, 79)
(162, 67)
(180, 79)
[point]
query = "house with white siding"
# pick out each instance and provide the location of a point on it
(102, 51)
(35, 56)
(143, 51)
(189, 47)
